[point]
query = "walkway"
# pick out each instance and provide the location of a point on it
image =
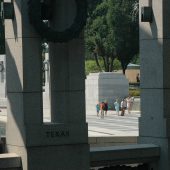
(112, 125)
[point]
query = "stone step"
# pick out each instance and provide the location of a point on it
(10, 161)
(112, 141)
(127, 154)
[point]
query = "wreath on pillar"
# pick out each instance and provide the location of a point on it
(52, 35)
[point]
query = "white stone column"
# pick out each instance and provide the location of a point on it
(68, 85)
(24, 89)
(154, 125)
(67, 70)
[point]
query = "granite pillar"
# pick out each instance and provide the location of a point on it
(63, 143)
(154, 125)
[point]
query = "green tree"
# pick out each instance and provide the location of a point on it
(126, 30)
(92, 5)
(112, 31)
(91, 67)
(98, 37)
(136, 59)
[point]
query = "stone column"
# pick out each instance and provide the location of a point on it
(24, 87)
(154, 125)
(68, 85)
(63, 143)
(67, 70)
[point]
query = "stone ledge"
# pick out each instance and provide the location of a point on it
(127, 154)
(112, 140)
(10, 160)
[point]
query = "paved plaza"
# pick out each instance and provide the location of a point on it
(111, 125)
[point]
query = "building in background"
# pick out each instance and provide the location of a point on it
(132, 71)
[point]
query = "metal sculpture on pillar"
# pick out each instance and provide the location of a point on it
(39, 11)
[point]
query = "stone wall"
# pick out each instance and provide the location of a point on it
(105, 87)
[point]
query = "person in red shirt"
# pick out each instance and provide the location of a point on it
(102, 107)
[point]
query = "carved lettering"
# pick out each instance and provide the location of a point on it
(54, 134)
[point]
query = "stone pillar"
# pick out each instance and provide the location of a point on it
(105, 86)
(154, 125)
(68, 86)
(63, 143)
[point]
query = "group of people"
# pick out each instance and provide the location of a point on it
(102, 109)
(125, 104)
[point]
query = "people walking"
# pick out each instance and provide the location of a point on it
(123, 106)
(129, 104)
(97, 108)
(105, 108)
(116, 106)
(138, 78)
(102, 107)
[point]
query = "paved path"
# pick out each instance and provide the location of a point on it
(112, 125)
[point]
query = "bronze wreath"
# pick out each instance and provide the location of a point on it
(49, 33)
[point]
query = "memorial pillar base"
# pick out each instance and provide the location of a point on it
(62, 157)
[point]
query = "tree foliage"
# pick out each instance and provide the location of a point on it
(91, 66)
(126, 30)
(112, 31)
(99, 38)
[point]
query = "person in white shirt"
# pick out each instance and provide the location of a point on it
(123, 106)
(129, 101)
